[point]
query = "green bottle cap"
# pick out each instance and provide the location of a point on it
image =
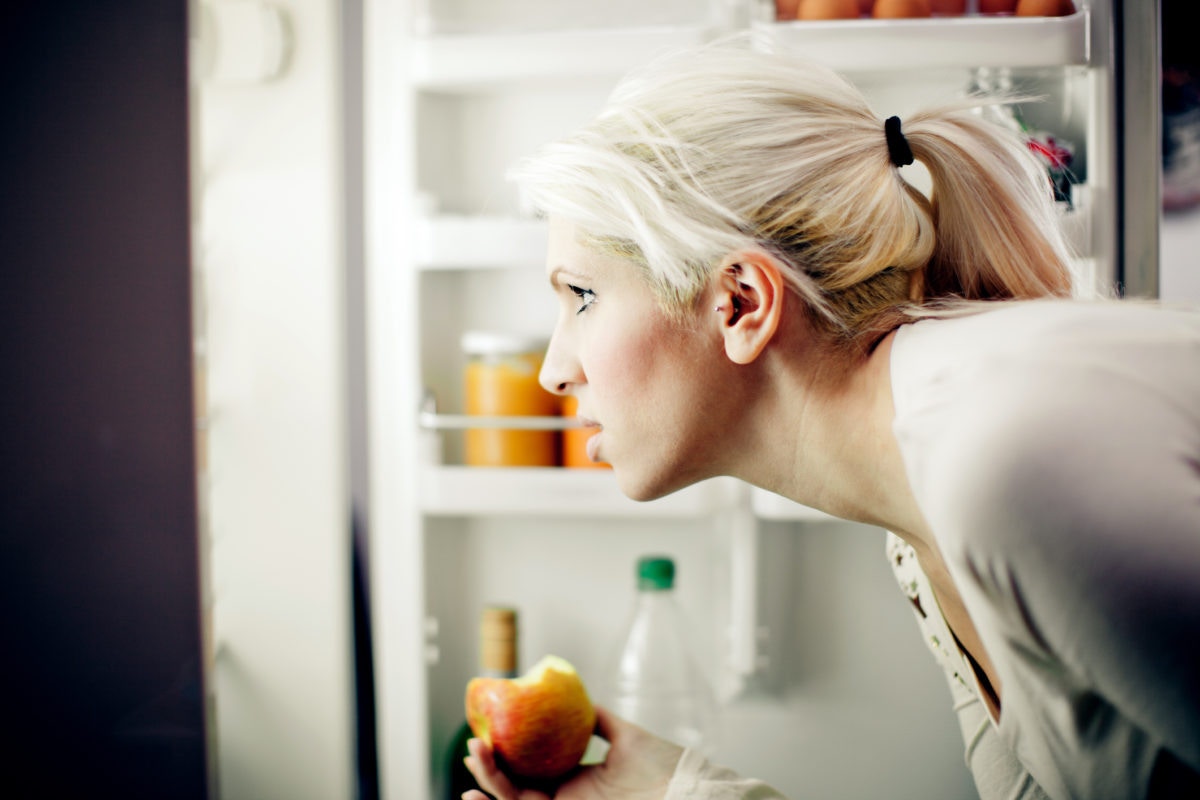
(655, 573)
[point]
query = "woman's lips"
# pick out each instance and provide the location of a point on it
(593, 441)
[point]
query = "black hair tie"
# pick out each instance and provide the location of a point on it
(898, 149)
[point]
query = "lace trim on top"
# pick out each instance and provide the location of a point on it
(934, 630)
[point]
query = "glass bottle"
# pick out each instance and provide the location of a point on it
(497, 659)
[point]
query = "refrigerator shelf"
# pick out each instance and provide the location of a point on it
(462, 62)
(459, 491)
(452, 242)
(448, 422)
(938, 43)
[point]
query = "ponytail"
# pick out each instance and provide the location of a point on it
(993, 211)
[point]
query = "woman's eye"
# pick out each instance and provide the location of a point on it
(586, 297)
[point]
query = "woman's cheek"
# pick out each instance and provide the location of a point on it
(623, 362)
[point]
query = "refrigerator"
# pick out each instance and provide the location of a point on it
(824, 687)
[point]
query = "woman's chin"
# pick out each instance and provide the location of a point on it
(644, 488)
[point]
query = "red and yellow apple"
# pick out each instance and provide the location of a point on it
(538, 724)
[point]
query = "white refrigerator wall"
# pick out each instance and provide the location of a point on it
(847, 702)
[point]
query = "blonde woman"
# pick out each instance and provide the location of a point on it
(749, 286)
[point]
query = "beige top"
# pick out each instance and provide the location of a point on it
(1054, 449)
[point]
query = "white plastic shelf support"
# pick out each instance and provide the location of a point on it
(242, 42)
(744, 631)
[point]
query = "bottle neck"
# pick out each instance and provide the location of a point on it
(497, 673)
(498, 657)
(498, 643)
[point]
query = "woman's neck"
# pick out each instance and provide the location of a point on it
(829, 444)
(845, 460)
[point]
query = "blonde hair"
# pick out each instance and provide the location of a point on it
(727, 147)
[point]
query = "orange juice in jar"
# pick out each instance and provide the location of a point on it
(574, 445)
(501, 380)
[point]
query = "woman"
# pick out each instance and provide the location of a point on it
(750, 287)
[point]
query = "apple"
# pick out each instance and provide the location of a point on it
(538, 724)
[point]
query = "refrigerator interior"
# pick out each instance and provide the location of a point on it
(826, 687)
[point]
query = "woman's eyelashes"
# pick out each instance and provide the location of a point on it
(586, 297)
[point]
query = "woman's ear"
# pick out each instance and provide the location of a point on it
(750, 292)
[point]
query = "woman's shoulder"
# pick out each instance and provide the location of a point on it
(1052, 351)
(1010, 414)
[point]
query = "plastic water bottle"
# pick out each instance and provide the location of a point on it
(657, 682)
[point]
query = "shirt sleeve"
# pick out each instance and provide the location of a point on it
(997, 773)
(697, 779)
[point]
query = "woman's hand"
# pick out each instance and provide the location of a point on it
(638, 767)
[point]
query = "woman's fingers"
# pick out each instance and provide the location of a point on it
(608, 725)
(482, 764)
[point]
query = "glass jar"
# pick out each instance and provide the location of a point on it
(574, 440)
(500, 380)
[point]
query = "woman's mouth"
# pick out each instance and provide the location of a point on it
(593, 441)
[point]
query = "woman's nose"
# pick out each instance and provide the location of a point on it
(559, 370)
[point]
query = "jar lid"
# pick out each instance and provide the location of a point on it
(655, 573)
(498, 343)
